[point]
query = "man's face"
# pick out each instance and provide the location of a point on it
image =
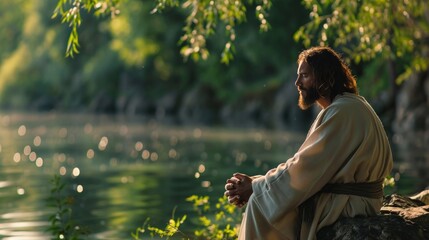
(305, 84)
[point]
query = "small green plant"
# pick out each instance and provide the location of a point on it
(214, 221)
(62, 226)
(171, 229)
(389, 181)
(218, 224)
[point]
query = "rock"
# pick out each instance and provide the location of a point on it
(102, 102)
(383, 227)
(399, 201)
(139, 105)
(131, 99)
(422, 196)
(43, 103)
(252, 109)
(198, 107)
(401, 218)
(251, 113)
(412, 108)
(286, 113)
(166, 107)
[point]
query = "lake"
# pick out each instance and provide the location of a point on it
(121, 170)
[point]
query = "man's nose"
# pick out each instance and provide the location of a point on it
(297, 81)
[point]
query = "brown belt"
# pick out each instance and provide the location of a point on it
(367, 189)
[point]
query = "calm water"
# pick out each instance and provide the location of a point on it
(121, 171)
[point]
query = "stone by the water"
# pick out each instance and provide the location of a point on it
(401, 218)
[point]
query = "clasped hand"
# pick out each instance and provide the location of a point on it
(238, 189)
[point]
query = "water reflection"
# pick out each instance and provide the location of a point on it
(121, 171)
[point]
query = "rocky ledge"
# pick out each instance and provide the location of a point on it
(401, 218)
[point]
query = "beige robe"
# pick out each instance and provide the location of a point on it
(346, 144)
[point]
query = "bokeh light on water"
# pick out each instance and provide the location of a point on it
(122, 170)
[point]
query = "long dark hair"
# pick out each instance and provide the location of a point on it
(332, 75)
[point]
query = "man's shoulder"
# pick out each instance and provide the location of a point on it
(347, 105)
(348, 101)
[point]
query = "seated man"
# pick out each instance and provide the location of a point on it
(337, 172)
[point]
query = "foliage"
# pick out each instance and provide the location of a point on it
(365, 29)
(400, 31)
(170, 229)
(70, 12)
(131, 37)
(147, 46)
(222, 224)
(130, 62)
(203, 20)
(398, 35)
(374, 79)
(389, 181)
(62, 224)
(11, 20)
(218, 224)
(23, 69)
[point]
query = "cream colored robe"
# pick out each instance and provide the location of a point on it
(346, 143)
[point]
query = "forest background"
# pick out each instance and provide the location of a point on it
(132, 63)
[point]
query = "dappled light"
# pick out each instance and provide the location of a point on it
(79, 188)
(37, 141)
(117, 111)
(39, 162)
(22, 130)
(153, 165)
(20, 191)
(17, 157)
(76, 172)
(103, 143)
(63, 171)
(90, 153)
(147, 161)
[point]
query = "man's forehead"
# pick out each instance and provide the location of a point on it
(303, 67)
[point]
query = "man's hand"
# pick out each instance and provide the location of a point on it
(238, 189)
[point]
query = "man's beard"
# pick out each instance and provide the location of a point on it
(311, 95)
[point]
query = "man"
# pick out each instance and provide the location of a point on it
(337, 172)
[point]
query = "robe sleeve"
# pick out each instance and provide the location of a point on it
(330, 143)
